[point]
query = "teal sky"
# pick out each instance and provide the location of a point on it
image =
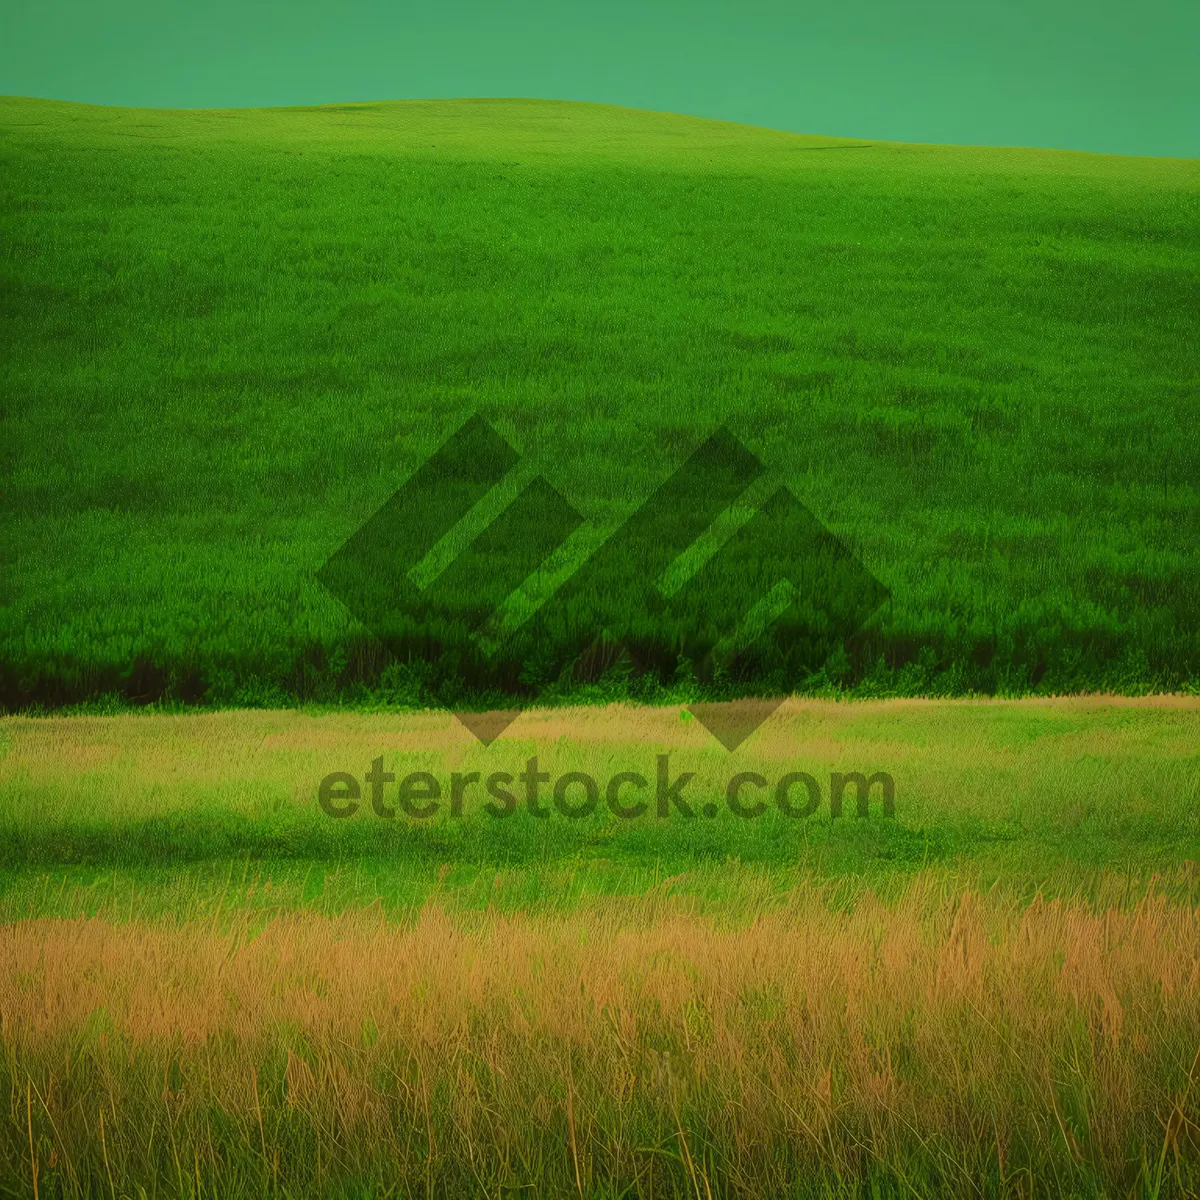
(1078, 74)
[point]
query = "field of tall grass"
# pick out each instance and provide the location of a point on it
(208, 986)
(230, 336)
(938, 1044)
(295, 931)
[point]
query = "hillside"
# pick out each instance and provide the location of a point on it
(230, 336)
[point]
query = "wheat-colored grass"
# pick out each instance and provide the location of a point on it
(957, 1041)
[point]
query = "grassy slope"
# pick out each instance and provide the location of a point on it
(230, 335)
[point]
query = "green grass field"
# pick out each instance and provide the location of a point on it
(208, 986)
(230, 336)
(1018, 792)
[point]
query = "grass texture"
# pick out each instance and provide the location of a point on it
(231, 335)
(1018, 787)
(209, 986)
(939, 1045)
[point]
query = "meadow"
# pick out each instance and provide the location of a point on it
(273, 921)
(230, 336)
(209, 986)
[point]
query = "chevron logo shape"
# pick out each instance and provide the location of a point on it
(781, 593)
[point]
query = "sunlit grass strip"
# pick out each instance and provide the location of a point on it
(962, 1043)
(1095, 780)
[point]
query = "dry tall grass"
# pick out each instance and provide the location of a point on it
(967, 1044)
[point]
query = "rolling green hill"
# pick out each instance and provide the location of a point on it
(229, 336)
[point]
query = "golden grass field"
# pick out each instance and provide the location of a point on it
(611, 1007)
(993, 1034)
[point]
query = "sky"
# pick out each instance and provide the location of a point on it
(1097, 75)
